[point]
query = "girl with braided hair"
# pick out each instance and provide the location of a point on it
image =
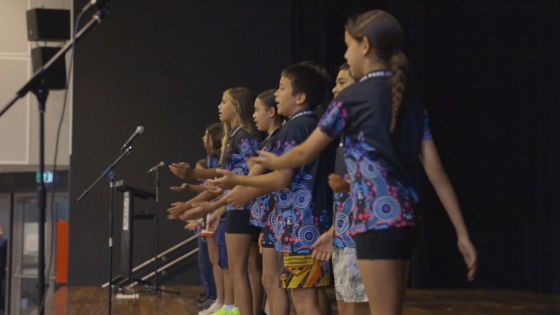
(382, 180)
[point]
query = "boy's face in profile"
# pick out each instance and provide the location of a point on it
(287, 102)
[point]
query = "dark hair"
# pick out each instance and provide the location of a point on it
(309, 81)
(321, 108)
(317, 66)
(269, 100)
(385, 35)
(344, 66)
(215, 133)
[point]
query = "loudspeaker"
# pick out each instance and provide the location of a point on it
(48, 25)
(55, 78)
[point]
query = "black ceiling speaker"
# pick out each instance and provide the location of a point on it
(48, 25)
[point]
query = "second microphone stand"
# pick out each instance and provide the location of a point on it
(155, 288)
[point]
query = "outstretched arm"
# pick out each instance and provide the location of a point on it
(267, 183)
(299, 155)
(183, 170)
(446, 193)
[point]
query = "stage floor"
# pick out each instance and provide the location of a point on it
(93, 300)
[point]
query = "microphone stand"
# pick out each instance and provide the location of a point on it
(155, 289)
(109, 171)
(37, 86)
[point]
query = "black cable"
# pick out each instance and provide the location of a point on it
(53, 213)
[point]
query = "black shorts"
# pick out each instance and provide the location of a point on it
(238, 222)
(391, 243)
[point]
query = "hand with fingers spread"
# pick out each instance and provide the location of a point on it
(199, 210)
(469, 254)
(323, 247)
(183, 187)
(267, 159)
(338, 184)
(177, 209)
(227, 181)
(191, 225)
(182, 170)
(237, 198)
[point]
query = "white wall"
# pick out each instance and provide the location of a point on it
(19, 126)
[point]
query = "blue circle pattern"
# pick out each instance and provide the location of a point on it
(333, 115)
(284, 198)
(386, 208)
(369, 169)
(302, 199)
(244, 147)
(342, 223)
(308, 235)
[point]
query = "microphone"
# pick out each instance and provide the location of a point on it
(139, 131)
(93, 3)
(161, 164)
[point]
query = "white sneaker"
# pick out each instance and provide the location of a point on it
(214, 307)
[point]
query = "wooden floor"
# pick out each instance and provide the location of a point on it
(93, 300)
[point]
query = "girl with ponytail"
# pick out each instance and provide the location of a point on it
(382, 187)
(240, 141)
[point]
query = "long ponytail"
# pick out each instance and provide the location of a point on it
(399, 67)
(384, 33)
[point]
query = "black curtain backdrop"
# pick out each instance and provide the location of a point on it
(162, 65)
(488, 73)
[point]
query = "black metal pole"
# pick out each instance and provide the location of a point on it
(41, 92)
(112, 184)
(109, 172)
(37, 87)
(156, 222)
(155, 288)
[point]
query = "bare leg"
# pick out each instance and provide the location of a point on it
(218, 274)
(383, 280)
(345, 308)
(238, 248)
(278, 301)
(406, 266)
(255, 278)
(324, 302)
(306, 301)
(228, 288)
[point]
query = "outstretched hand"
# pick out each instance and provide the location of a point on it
(181, 188)
(198, 211)
(227, 181)
(182, 170)
(177, 209)
(213, 188)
